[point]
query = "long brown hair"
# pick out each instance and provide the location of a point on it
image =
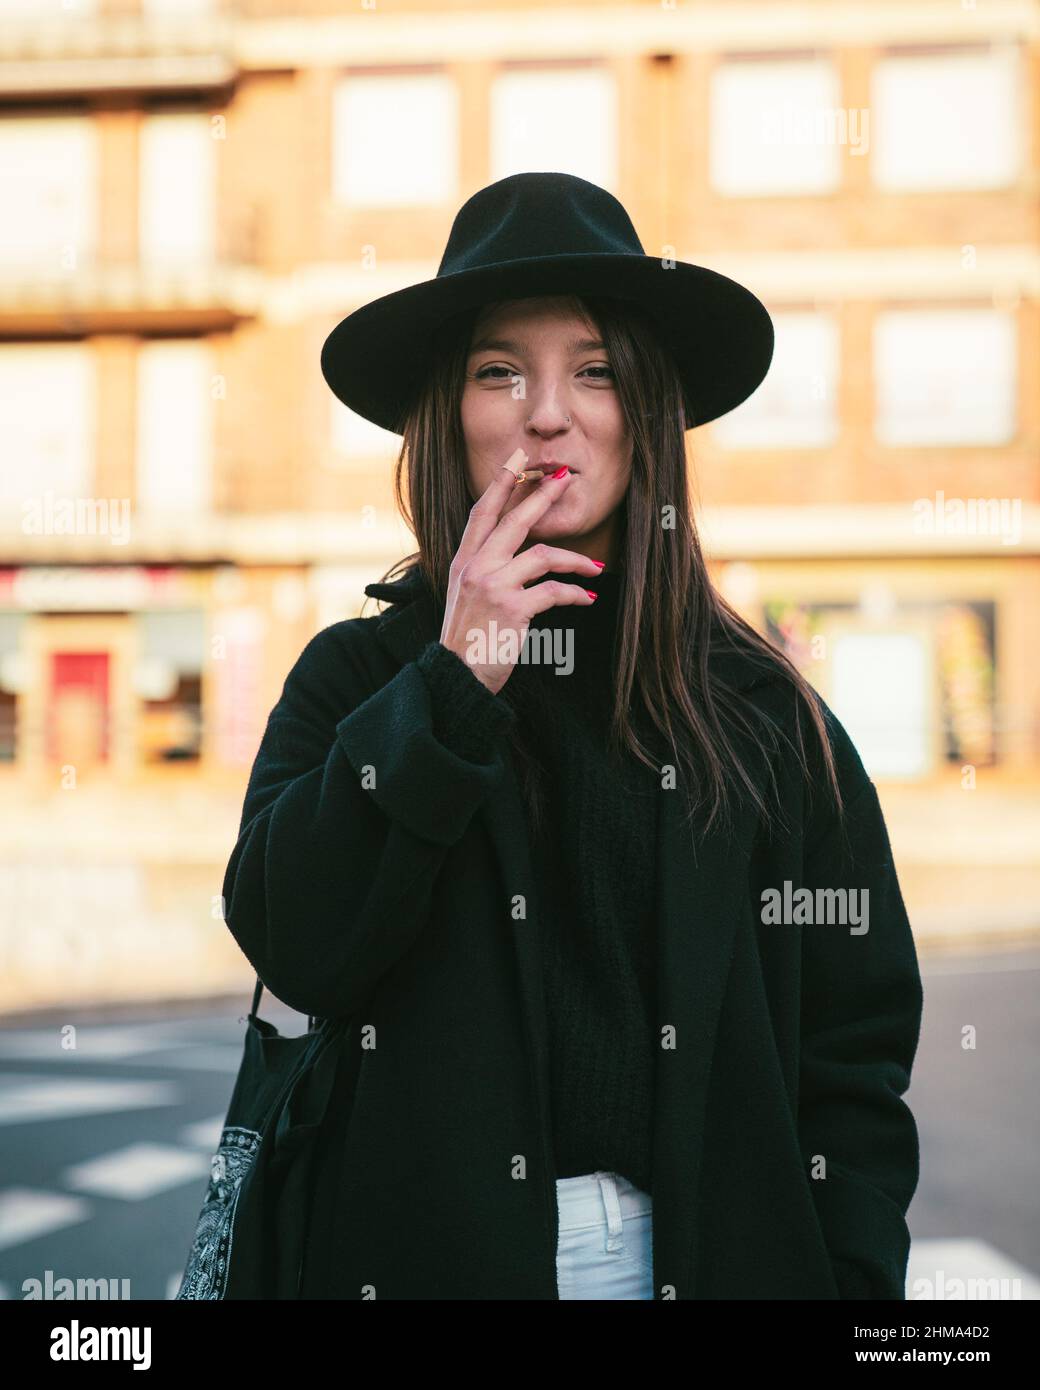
(666, 684)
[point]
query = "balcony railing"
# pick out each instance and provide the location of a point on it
(48, 56)
(191, 293)
(133, 297)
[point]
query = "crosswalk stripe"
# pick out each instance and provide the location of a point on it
(27, 1213)
(972, 1269)
(25, 1099)
(137, 1171)
(204, 1134)
(99, 1044)
(131, 1047)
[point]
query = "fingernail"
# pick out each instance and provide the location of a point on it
(601, 563)
(560, 471)
(591, 594)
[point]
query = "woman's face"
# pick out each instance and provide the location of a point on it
(538, 377)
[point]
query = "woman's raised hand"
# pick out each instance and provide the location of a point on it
(487, 577)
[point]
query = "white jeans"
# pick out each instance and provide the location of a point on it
(605, 1241)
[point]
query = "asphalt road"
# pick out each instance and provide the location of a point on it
(105, 1146)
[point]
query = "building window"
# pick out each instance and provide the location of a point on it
(563, 120)
(395, 140)
(914, 690)
(795, 406)
(945, 376)
(12, 675)
(177, 189)
(44, 9)
(48, 173)
(776, 127)
(948, 120)
(879, 684)
(46, 424)
(174, 427)
(168, 681)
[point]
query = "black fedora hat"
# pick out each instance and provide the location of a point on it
(543, 234)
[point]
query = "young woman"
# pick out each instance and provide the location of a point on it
(602, 886)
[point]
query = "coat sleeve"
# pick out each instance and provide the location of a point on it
(860, 1023)
(353, 802)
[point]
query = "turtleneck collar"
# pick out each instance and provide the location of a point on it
(602, 613)
(584, 641)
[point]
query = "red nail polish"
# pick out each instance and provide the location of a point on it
(591, 594)
(560, 471)
(601, 563)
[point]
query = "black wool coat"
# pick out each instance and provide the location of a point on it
(378, 876)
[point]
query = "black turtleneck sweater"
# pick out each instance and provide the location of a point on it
(594, 860)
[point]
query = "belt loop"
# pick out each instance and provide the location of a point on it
(608, 1188)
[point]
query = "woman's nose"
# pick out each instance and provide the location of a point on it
(547, 413)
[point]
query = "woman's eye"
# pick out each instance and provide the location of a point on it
(485, 373)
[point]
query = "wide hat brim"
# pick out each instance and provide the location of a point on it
(719, 333)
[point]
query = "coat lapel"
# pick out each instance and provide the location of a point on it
(701, 884)
(701, 889)
(405, 632)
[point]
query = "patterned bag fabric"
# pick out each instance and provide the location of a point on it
(250, 1236)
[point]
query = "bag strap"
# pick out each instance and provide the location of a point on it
(311, 1018)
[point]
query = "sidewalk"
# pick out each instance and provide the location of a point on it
(968, 863)
(115, 895)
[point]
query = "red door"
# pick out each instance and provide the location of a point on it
(77, 724)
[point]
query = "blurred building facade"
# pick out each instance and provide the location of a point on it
(194, 192)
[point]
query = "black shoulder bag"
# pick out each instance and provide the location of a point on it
(250, 1237)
